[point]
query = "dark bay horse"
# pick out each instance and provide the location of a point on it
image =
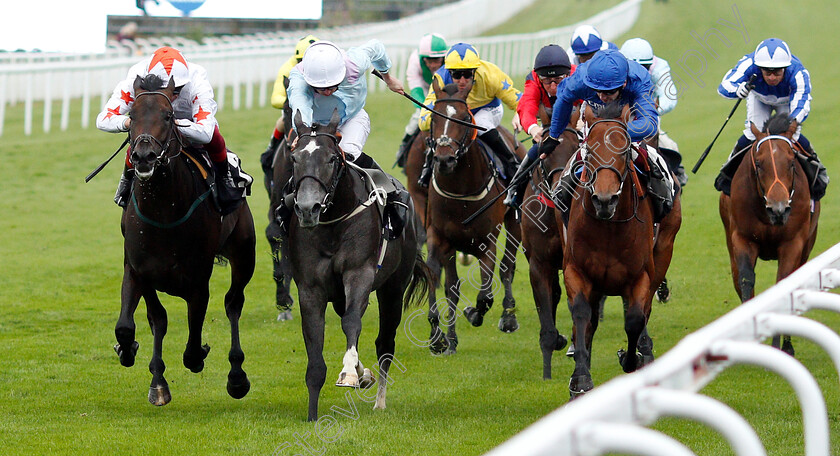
(173, 233)
(612, 246)
(463, 180)
(769, 213)
(281, 168)
(542, 240)
(338, 255)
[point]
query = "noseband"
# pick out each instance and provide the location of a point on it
(339, 162)
(445, 141)
(172, 134)
(776, 179)
(608, 166)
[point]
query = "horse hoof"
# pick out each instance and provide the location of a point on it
(561, 344)
(508, 322)
(367, 379)
(196, 363)
(238, 388)
(159, 395)
(663, 293)
(284, 315)
(625, 361)
(127, 356)
(348, 380)
(571, 351)
(578, 386)
(438, 344)
(475, 317)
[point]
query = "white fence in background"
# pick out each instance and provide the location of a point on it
(611, 417)
(244, 68)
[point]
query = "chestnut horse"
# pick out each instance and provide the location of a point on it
(172, 234)
(339, 255)
(542, 240)
(613, 247)
(463, 180)
(769, 214)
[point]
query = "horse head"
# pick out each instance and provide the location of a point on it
(448, 140)
(606, 148)
(774, 166)
(318, 165)
(154, 136)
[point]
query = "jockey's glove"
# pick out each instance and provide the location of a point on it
(743, 89)
(548, 145)
(184, 123)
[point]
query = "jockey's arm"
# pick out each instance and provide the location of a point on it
(800, 97)
(300, 98)
(734, 77)
(646, 120)
(199, 129)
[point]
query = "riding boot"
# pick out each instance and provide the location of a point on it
(516, 190)
(723, 182)
(814, 171)
(402, 152)
(509, 160)
(426, 172)
(267, 157)
(660, 190)
(564, 194)
(283, 212)
(228, 196)
(124, 187)
(396, 213)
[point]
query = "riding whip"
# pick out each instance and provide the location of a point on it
(99, 168)
(419, 104)
(526, 174)
(708, 149)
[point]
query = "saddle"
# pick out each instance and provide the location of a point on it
(497, 163)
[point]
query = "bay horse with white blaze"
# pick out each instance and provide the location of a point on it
(173, 232)
(613, 247)
(463, 179)
(769, 214)
(339, 255)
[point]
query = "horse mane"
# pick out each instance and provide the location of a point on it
(611, 110)
(151, 82)
(777, 124)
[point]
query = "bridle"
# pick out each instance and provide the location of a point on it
(622, 175)
(339, 162)
(445, 140)
(172, 134)
(776, 179)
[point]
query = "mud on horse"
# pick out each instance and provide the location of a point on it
(173, 233)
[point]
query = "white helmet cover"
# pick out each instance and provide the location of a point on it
(168, 63)
(323, 65)
(772, 53)
(638, 49)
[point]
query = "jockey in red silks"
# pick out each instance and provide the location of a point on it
(195, 116)
(551, 66)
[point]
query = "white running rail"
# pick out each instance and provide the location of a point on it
(243, 69)
(612, 416)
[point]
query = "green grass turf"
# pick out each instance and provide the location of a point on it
(64, 392)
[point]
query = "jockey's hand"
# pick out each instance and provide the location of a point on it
(536, 132)
(394, 84)
(548, 145)
(186, 123)
(517, 126)
(743, 90)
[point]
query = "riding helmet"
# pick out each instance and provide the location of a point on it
(462, 56)
(169, 64)
(552, 61)
(303, 45)
(586, 40)
(772, 53)
(607, 70)
(638, 49)
(432, 45)
(323, 65)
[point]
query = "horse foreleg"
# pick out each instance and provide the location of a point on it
(312, 308)
(437, 340)
(242, 269)
(159, 388)
(743, 270)
(126, 346)
(282, 270)
(453, 296)
(790, 259)
(582, 318)
(390, 314)
(507, 269)
(357, 286)
(484, 300)
(546, 290)
(195, 352)
(635, 318)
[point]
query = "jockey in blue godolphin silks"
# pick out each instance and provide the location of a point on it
(609, 77)
(782, 84)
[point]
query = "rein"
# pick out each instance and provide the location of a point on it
(776, 179)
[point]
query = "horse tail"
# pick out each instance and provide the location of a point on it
(418, 288)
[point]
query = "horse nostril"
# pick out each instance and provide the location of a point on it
(613, 200)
